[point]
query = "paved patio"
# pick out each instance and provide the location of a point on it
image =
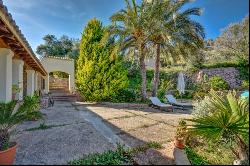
(91, 128)
(137, 124)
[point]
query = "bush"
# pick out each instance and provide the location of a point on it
(100, 71)
(218, 83)
(32, 104)
(126, 95)
(244, 69)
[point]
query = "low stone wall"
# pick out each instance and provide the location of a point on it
(229, 74)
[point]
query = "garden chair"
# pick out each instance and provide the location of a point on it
(172, 100)
(158, 104)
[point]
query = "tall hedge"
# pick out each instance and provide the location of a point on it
(100, 73)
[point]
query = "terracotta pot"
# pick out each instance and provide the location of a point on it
(179, 143)
(7, 157)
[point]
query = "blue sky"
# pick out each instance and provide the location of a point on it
(37, 18)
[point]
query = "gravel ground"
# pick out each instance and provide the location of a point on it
(59, 145)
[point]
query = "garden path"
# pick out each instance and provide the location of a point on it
(70, 137)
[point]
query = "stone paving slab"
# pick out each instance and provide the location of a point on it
(110, 113)
(161, 133)
(169, 118)
(127, 124)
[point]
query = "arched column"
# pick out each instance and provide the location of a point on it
(17, 77)
(47, 83)
(71, 82)
(30, 82)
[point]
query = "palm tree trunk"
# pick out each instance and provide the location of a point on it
(242, 150)
(143, 73)
(157, 71)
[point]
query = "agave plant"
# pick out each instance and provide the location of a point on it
(228, 122)
(9, 118)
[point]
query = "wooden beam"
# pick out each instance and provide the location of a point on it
(4, 28)
(5, 34)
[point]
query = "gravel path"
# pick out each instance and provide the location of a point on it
(75, 137)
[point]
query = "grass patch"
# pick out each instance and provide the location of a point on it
(43, 126)
(121, 156)
(194, 158)
(206, 153)
(117, 157)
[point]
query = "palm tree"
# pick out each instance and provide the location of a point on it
(131, 25)
(172, 28)
(227, 120)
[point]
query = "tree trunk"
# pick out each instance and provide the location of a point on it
(143, 74)
(157, 71)
(242, 150)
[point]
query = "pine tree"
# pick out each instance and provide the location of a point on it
(100, 73)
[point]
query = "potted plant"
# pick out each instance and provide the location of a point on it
(8, 119)
(180, 135)
(15, 90)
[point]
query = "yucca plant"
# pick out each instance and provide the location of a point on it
(9, 118)
(228, 122)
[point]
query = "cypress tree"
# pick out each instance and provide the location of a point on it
(100, 73)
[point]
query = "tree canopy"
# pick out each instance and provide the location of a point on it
(62, 47)
(234, 40)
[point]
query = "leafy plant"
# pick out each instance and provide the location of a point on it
(218, 83)
(228, 123)
(31, 104)
(181, 130)
(165, 86)
(9, 118)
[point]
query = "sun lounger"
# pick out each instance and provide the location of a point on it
(172, 100)
(162, 106)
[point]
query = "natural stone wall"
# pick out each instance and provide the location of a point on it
(55, 83)
(229, 74)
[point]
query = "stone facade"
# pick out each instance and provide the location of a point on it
(229, 74)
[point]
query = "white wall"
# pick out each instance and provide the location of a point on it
(5, 74)
(63, 65)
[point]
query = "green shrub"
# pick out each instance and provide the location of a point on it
(245, 84)
(100, 71)
(126, 95)
(218, 83)
(32, 104)
(243, 69)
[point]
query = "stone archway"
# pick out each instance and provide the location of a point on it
(66, 65)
